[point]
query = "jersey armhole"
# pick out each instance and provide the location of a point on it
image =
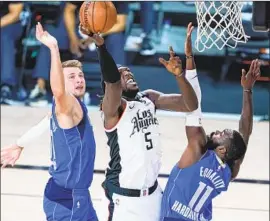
(117, 123)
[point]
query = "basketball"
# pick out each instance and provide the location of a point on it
(98, 17)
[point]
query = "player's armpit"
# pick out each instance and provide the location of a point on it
(196, 134)
(173, 102)
(65, 103)
(191, 155)
(112, 100)
(196, 146)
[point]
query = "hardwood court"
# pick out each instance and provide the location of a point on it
(22, 189)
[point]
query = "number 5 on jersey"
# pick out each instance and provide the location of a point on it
(148, 140)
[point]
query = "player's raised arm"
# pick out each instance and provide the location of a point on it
(111, 76)
(190, 63)
(185, 102)
(246, 120)
(195, 133)
(247, 82)
(63, 99)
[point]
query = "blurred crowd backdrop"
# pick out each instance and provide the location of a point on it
(143, 33)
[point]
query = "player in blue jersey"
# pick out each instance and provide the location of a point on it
(209, 163)
(73, 146)
(72, 140)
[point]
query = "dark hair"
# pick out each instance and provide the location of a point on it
(237, 147)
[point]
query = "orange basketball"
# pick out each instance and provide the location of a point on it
(98, 17)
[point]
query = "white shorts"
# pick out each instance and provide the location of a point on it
(145, 208)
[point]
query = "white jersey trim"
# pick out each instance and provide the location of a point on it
(119, 120)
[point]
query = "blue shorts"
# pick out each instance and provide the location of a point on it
(61, 204)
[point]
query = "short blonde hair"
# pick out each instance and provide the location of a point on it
(72, 64)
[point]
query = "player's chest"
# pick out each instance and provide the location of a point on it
(140, 119)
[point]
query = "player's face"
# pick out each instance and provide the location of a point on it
(221, 137)
(127, 80)
(221, 141)
(74, 81)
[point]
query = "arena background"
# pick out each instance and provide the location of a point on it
(219, 75)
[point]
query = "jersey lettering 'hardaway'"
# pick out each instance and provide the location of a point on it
(135, 146)
(72, 152)
(189, 192)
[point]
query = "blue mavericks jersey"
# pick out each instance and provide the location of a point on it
(72, 152)
(189, 192)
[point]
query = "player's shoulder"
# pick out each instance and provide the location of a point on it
(209, 154)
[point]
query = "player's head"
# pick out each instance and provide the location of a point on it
(74, 77)
(129, 85)
(228, 144)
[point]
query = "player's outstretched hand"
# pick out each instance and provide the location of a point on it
(10, 155)
(174, 64)
(249, 79)
(188, 43)
(97, 38)
(44, 37)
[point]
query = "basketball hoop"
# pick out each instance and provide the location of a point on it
(219, 24)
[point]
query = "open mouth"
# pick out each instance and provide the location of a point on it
(131, 82)
(79, 88)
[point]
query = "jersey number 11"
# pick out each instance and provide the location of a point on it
(199, 197)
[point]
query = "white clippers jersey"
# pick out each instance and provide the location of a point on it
(135, 146)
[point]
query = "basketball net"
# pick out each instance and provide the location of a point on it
(219, 24)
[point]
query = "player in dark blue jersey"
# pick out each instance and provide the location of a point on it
(209, 163)
(73, 145)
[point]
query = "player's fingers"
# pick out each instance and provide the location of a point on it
(37, 32)
(252, 66)
(4, 154)
(5, 162)
(3, 151)
(189, 26)
(84, 30)
(163, 61)
(40, 28)
(243, 73)
(177, 58)
(96, 37)
(13, 161)
(191, 29)
(46, 33)
(171, 51)
(4, 165)
(5, 159)
(258, 66)
(258, 74)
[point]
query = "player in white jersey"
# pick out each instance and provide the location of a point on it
(133, 137)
